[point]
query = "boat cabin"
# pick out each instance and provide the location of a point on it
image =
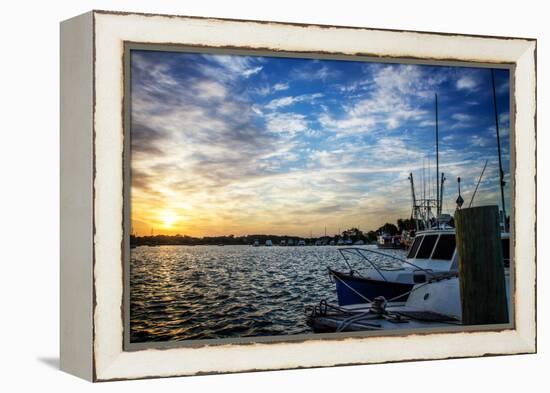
(436, 250)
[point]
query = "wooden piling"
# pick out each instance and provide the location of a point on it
(480, 266)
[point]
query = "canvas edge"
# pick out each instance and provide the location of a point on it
(76, 204)
(525, 339)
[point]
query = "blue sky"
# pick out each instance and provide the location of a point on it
(243, 144)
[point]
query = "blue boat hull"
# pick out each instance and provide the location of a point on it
(368, 288)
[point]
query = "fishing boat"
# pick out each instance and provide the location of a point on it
(372, 273)
(268, 243)
(256, 243)
(301, 243)
(282, 243)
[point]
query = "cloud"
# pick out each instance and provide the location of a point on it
(394, 96)
(237, 65)
(503, 87)
(466, 82)
(462, 117)
(208, 89)
(290, 100)
(286, 122)
(479, 141)
(312, 71)
(270, 89)
(504, 118)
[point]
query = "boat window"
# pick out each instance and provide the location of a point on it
(427, 246)
(414, 247)
(445, 247)
(506, 252)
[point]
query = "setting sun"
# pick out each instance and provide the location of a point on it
(168, 218)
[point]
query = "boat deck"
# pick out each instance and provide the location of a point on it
(361, 318)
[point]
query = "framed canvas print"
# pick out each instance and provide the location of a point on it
(246, 195)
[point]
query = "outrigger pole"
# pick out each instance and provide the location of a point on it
(501, 172)
(414, 205)
(443, 178)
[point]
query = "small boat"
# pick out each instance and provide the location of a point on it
(386, 241)
(268, 243)
(436, 304)
(432, 255)
(256, 243)
(429, 305)
(340, 242)
(290, 242)
(282, 243)
(301, 243)
(359, 243)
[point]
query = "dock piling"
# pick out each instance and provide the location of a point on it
(480, 266)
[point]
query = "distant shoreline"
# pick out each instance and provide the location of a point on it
(276, 240)
(349, 236)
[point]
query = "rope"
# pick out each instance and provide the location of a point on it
(349, 287)
(356, 318)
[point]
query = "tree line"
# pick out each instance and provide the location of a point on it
(353, 234)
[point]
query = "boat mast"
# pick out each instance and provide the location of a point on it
(501, 172)
(438, 206)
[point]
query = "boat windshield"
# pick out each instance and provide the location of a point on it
(445, 247)
(414, 247)
(423, 245)
(426, 247)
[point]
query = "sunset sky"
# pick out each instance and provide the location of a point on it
(242, 145)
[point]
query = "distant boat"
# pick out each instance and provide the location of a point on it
(386, 241)
(301, 242)
(256, 243)
(282, 243)
(348, 242)
(359, 243)
(268, 243)
(340, 242)
(290, 242)
(331, 243)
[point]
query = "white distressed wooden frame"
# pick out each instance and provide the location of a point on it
(92, 47)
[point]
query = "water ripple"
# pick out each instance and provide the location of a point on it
(204, 292)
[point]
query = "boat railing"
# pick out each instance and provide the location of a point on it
(361, 252)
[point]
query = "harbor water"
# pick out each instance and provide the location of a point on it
(212, 292)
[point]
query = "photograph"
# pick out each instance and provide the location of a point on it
(275, 195)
